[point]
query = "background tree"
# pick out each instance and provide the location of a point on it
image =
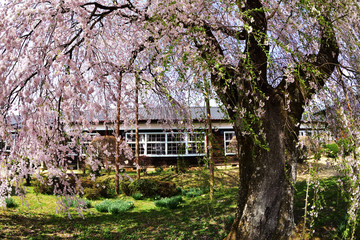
(267, 59)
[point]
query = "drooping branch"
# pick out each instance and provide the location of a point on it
(313, 74)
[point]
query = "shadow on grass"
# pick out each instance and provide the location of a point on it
(330, 213)
(196, 219)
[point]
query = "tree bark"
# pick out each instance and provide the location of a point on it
(266, 141)
(117, 156)
(137, 147)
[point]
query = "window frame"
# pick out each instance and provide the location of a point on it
(185, 140)
(227, 142)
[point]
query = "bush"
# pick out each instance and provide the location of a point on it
(92, 193)
(10, 203)
(170, 203)
(120, 206)
(192, 192)
(147, 187)
(47, 187)
(124, 187)
(138, 196)
(103, 187)
(87, 183)
(159, 170)
(114, 206)
(150, 187)
(42, 188)
(228, 221)
(168, 189)
(85, 203)
(332, 150)
(103, 206)
(107, 184)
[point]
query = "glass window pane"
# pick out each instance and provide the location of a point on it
(141, 150)
(176, 149)
(132, 137)
(196, 137)
(156, 137)
(156, 148)
(175, 137)
(196, 148)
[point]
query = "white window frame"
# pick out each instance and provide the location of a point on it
(226, 142)
(186, 141)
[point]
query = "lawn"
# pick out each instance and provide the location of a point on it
(196, 218)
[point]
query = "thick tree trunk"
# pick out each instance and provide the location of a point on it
(266, 180)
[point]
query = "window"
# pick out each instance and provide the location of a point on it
(196, 144)
(176, 144)
(168, 144)
(131, 140)
(230, 143)
(155, 144)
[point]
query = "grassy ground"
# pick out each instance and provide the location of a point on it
(197, 218)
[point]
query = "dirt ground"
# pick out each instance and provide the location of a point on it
(326, 168)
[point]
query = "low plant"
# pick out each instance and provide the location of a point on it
(114, 206)
(149, 188)
(159, 170)
(85, 203)
(138, 196)
(10, 203)
(171, 203)
(192, 192)
(103, 187)
(332, 150)
(228, 221)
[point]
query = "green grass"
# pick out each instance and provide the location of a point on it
(195, 218)
(331, 221)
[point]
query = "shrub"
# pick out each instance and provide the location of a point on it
(170, 203)
(168, 189)
(228, 221)
(147, 187)
(114, 206)
(92, 193)
(124, 187)
(193, 192)
(103, 187)
(107, 184)
(120, 206)
(42, 188)
(81, 203)
(86, 183)
(10, 203)
(150, 187)
(331, 150)
(103, 206)
(159, 170)
(47, 187)
(138, 196)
